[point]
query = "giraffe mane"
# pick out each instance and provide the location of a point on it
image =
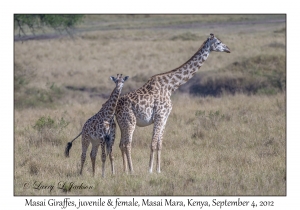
(171, 71)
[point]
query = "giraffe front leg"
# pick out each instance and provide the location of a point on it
(125, 146)
(156, 144)
(126, 154)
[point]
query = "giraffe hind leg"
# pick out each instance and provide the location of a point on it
(159, 147)
(158, 159)
(83, 156)
(152, 160)
(155, 147)
(124, 157)
(129, 160)
(85, 145)
(93, 156)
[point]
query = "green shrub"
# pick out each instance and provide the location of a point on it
(44, 122)
(47, 122)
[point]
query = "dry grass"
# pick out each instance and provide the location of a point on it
(234, 145)
(226, 145)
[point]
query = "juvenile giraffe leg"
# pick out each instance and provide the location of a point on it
(93, 156)
(111, 157)
(83, 156)
(85, 144)
(103, 158)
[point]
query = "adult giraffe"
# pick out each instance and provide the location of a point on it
(151, 103)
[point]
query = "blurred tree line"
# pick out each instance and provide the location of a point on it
(35, 22)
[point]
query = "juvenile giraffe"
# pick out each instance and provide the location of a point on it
(151, 103)
(100, 129)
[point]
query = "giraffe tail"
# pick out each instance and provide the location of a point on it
(69, 145)
(67, 150)
(108, 144)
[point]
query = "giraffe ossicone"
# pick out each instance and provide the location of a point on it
(151, 103)
(100, 130)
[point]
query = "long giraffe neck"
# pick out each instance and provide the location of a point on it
(110, 105)
(177, 77)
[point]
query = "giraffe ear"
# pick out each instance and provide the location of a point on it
(112, 78)
(125, 78)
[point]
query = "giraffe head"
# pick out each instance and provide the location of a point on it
(216, 45)
(119, 80)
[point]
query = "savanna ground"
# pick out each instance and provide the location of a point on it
(226, 134)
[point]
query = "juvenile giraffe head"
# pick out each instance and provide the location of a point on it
(119, 80)
(216, 44)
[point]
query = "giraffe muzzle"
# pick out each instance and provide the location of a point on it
(227, 50)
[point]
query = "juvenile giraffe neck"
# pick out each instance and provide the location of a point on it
(110, 105)
(179, 76)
